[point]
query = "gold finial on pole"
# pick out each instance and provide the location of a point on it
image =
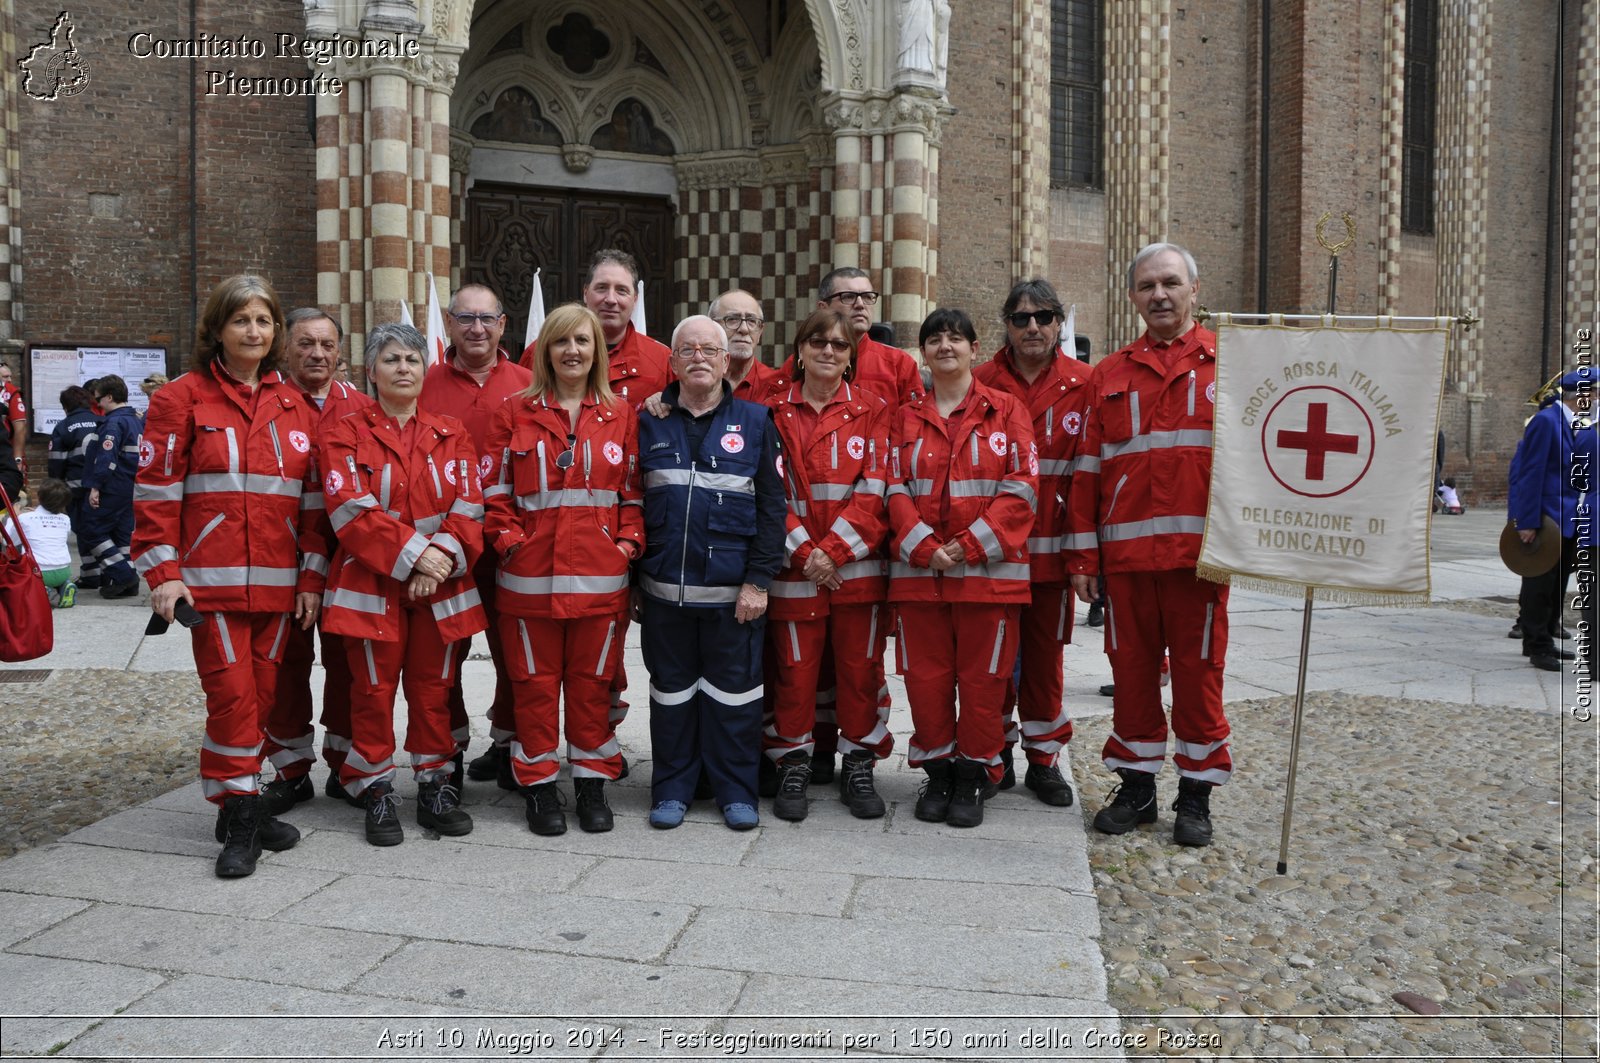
(1349, 232)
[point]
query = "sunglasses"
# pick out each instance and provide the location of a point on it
(564, 459)
(1041, 318)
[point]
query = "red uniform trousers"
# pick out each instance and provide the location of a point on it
(852, 636)
(237, 656)
(423, 664)
(548, 657)
(618, 681)
(1177, 613)
(1046, 629)
(945, 646)
(289, 733)
(502, 725)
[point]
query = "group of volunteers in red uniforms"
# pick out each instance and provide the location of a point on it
(957, 508)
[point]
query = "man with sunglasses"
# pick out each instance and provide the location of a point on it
(714, 530)
(887, 372)
(475, 376)
(739, 314)
(1054, 386)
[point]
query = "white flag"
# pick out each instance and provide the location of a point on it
(1069, 331)
(405, 313)
(437, 338)
(1322, 464)
(638, 311)
(535, 312)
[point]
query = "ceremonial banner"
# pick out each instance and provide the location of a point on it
(1323, 460)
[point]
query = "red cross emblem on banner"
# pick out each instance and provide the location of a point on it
(1318, 441)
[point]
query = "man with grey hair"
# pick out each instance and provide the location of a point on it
(1136, 515)
(714, 514)
(311, 358)
(739, 314)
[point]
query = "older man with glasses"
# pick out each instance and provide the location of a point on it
(475, 376)
(739, 314)
(714, 529)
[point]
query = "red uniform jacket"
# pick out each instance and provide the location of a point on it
(887, 372)
(835, 484)
(454, 393)
(227, 497)
(388, 504)
(1056, 401)
(1143, 476)
(972, 479)
(341, 401)
(557, 530)
(762, 384)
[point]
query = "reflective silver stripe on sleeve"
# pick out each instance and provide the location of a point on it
(1183, 437)
(409, 553)
(1138, 529)
(868, 485)
(452, 546)
(897, 489)
(496, 490)
(1047, 544)
(471, 510)
(156, 555)
(844, 531)
(913, 539)
(349, 510)
(920, 488)
(1086, 463)
(986, 538)
(794, 541)
(429, 524)
(1080, 541)
(314, 563)
(1022, 490)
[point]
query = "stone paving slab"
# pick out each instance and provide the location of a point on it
(154, 830)
(234, 1016)
(526, 982)
(632, 879)
(121, 876)
(283, 950)
(23, 915)
(1004, 906)
(42, 986)
(528, 919)
(909, 855)
(434, 861)
(907, 951)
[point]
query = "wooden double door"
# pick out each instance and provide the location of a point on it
(511, 230)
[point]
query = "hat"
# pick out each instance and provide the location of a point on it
(1582, 378)
(1535, 558)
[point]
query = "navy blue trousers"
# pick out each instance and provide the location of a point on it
(110, 531)
(705, 701)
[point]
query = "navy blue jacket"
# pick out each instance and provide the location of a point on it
(74, 435)
(113, 464)
(713, 501)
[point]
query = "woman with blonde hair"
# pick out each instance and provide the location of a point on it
(564, 512)
(230, 529)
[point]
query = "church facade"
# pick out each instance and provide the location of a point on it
(347, 149)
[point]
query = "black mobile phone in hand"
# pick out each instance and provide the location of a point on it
(186, 614)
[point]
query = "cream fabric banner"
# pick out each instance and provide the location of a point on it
(1322, 473)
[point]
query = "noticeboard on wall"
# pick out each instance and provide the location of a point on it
(55, 366)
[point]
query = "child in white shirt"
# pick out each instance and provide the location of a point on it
(47, 527)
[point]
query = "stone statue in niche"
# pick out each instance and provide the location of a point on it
(915, 19)
(632, 129)
(516, 118)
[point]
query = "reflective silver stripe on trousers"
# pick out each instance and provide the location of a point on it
(227, 637)
(1205, 641)
(277, 640)
(1183, 437)
(229, 751)
(872, 633)
(605, 650)
(999, 642)
(794, 642)
(560, 584)
(527, 647)
(372, 676)
(1139, 529)
(715, 481)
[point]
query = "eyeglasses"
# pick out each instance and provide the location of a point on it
(468, 320)
(1042, 318)
(817, 343)
(737, 321)
(698, 351)
(864, 298)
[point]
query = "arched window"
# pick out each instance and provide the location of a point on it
(1421, 101)
(1077, 70)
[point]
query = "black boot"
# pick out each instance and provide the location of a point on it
(1132, 803)
(274, 835)
(439, 808)
(821, 767)
(1008, 764)
(794, 775)
(594, 815)
(972, 786)
(335, 789)
(487, 766)
(855, 785)
(933, 804)
(1193, 806)
(238, 829)
(458, 771)
(1048, 784)
(383, 814)
(281, 794)
(544, 809)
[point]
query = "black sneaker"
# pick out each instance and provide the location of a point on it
(933, 802)
(383, 814)
(1008, 762)
(821, 768)
(486, 767)
(273, 834)
(1132, 803)
(119, 590)
(856, 788)
(1193, 806)
(594, 815)
(281, 794)
(966, 800)
(239, 831)
(544, 809)
(794, 775)
(1516, 631)
(439, 808)
(1108, 690)
(1048, 784)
